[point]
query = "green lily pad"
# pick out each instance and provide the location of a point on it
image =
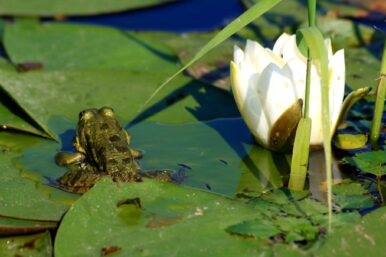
(213, 68)
(350, 141)
(351, 195)
(297, 229)
(73, 91)
(288, 250)
(59, 46)
(17, 141)
(259, 228)
(306, 207)
(338, 220)
(345, 33)
(12, 117)
(10, 226)
(22, 198)
(284, 196)
(37, 245)
(369, 162)
(365, 238)
(158, 228)
(364, 68)
(72, 7)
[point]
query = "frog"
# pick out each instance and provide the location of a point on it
(102, 149)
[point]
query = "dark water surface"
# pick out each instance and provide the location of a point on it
(180, 16)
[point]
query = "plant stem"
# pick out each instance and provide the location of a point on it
(311, 22)
(379, 103)
(311, 12)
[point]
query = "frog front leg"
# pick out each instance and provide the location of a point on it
(135, 153)
(66, 158)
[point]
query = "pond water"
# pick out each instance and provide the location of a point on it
(181, 16)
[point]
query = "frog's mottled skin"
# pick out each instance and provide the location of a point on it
(102, 147)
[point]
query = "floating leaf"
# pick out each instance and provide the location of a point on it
(9, 226)
(69, 93)
(339, 219)
(71, 7)
(366, 238)
(96, 213)
(297, 229)
(97, 47)
(21, 198)
(306, 207)
(37, 245)
(351, 195)
(350, 141)
(260, 228)
(364, 67)
(369, 162)
(283, 196)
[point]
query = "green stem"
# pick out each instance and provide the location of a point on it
(380, 189)
(308, 86)
(311, 12)
(311, 22)
(379, 103)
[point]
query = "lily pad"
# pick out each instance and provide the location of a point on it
(364, 67)
(350, 141)
(73, 91)
(21, 198)
(60, 46)
(297, 229)
(213, 68)
(284, 196)
(306, 207)
(365, 238)
(158, 228)
(37, 245)
(72, 7)
(351, 195)
(369, 162)
(260, 228)
(12, 116)
(10, 226)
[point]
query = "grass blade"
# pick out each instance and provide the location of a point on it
(299, 163)
(379, 103)
(247, 17)
(315, 43)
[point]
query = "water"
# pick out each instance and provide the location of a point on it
(180, 16)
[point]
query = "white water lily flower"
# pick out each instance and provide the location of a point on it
(269, 86)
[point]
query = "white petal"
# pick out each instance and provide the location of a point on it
(290, 50)
(276, 92)
(238, 55)
(279, 44)
(249, 105)
(259, 56)
(336, 68)
(295, 69)
(327, 44)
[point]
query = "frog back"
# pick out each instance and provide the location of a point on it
(109, 148)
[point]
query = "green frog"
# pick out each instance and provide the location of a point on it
(102, 149)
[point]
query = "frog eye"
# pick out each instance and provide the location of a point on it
(86, 114)
(107, 111)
